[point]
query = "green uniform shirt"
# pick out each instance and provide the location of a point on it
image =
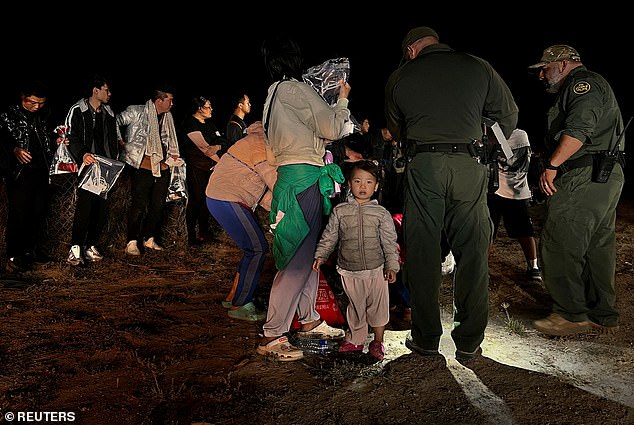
(442, 95)
(587, 110)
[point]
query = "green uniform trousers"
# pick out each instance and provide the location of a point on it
(578, 246)
(447, 191)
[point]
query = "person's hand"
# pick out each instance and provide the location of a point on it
(546, 182)
(62, 139)
(23, 156)
(89, 158)
(318, 262)
(390, 276)
(344, 89)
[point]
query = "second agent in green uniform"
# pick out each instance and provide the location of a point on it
(436, 102)
(578, 240)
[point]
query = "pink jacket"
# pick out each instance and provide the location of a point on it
(243, 174)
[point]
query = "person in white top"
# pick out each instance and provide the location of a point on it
(510, 201)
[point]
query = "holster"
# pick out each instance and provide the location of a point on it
(494, 177)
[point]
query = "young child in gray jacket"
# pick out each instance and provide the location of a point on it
(367, 258)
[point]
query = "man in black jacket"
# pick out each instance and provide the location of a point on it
(92, 130)
(26, 140)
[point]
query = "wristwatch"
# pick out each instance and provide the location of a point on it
(549, 166)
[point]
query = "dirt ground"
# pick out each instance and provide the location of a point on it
(146, 341)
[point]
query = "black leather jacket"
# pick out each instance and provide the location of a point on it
(21, 128)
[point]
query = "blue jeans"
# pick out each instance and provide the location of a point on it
(241, 225)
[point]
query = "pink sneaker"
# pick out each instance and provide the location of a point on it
(377, 350)
(347, 346)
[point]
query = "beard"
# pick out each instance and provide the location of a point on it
(554, 83)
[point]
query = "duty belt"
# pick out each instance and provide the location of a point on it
(444, 147)
(586, 160)
(571, 164)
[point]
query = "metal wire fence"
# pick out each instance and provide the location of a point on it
(55, 239)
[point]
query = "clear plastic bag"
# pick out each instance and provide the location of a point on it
(101, 176)
(63, 161)
(324, 78)
(178, 186)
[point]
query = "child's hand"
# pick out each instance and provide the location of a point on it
(390, 276)
(318, 262)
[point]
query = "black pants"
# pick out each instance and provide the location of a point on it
(147, 203)
(90, 218)
(197, 212)
(28, 198)
(393, 192)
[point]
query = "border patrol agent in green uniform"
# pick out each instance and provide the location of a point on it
(578, 239)
(435, 101)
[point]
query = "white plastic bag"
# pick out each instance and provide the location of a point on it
(101, 176)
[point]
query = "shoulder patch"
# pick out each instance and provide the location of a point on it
(582, 87)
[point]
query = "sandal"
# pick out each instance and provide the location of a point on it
(347, 346)
(323, 331)
(281, 350)
(377, 350)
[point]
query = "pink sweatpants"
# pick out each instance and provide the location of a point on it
(369, 301)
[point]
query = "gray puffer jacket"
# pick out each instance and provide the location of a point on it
(365, 234)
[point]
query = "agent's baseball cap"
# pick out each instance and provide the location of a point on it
(416, 34)
(556, 53)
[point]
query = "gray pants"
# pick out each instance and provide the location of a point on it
(295, 287)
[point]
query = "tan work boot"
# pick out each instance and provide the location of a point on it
(556, 325)
(602, 329)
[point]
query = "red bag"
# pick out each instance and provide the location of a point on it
(62, 162)
(326, 305)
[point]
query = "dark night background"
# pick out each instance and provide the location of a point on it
(214, 50)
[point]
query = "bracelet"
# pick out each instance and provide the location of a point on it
(549, 166)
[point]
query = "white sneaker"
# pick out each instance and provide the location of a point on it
(74, 256)
(92, 254)
(150, 243)
(132, 249)
(449, 265)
